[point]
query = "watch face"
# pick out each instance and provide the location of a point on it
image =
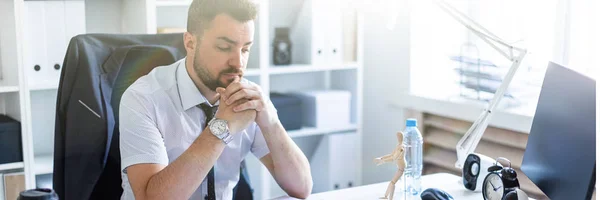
(219, 128)
(493, 189)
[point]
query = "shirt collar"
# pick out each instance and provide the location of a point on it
(188, 92)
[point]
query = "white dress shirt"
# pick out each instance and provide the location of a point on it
(159, 119)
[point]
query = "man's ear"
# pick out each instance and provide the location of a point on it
(189, 42)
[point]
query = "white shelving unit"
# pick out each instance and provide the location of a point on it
(33, 40)
(305, 68)
(310, 131)
(44, 164)
(8, 89)
(11, 166)
(13, 91)
(32, 101)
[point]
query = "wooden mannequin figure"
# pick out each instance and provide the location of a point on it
(398, 156)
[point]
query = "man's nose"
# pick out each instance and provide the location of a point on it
(237, 60)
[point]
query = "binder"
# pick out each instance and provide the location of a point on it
(34, 40)
(333, 32)
(48, 28)
(74, 20)
(343, 158)
(55, 42)
(317, 35)
(308, 35)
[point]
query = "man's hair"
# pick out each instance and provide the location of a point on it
(202, 12)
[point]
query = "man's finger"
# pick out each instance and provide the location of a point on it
(243, 94)
(232, 88)
(250, 105)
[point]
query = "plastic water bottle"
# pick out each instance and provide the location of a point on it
(413, 151)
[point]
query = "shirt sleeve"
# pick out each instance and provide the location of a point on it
(140, 140)
(259, 145)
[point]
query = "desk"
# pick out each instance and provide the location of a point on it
(450, 183)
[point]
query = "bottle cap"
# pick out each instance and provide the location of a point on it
(411, 122)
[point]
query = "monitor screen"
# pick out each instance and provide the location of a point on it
(560, 157)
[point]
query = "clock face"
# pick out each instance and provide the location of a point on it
(493, 189)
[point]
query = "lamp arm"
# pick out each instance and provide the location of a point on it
(467, 144)
(462, 18)
(487, 36)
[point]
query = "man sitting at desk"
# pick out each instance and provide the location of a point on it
(171, 145)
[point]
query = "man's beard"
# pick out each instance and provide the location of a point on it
(204, 75)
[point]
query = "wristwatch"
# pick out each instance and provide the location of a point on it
(219, 128)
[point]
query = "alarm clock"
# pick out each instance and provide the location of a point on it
(474, 171)
(501, 183)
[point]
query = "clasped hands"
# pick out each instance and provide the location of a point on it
(242, 103)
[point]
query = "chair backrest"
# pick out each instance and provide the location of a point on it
(127, 63)
(86, 156)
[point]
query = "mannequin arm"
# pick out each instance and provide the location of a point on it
(384, 159)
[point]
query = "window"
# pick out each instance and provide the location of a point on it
(448, 61)
(581, 24)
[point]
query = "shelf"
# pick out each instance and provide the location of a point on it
(11, 166)
(41, 87)
(301, 68)
(8, 89)
(44, 164)
(164, 3)
(308, 131)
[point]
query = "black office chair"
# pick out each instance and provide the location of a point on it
(98, 68)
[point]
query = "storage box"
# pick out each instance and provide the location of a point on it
(10, 140)
(325, 108)
(289, 110)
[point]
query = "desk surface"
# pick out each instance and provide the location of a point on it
(450, 183)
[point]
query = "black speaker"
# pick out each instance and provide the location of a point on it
(474, 170)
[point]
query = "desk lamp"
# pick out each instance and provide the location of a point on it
(475, 166)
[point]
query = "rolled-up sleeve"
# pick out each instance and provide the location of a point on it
(259, 145)
(140, 140)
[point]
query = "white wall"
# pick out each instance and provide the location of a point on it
(386, 74)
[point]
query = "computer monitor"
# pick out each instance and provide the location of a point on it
(560, 157)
